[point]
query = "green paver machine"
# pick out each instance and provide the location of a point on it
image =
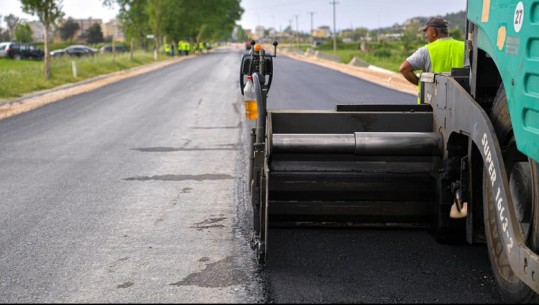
(462, 164)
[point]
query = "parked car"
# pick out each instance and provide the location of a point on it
(20, 51)
(74, 50)
(108, 49)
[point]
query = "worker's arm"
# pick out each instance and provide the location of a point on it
(408, 72)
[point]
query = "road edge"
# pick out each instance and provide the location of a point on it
(31, 101)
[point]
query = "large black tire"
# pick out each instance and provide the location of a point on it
(524, 180)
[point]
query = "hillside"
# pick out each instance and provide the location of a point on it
(457, 20)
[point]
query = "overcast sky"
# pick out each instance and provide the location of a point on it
(349, 13)
(282, 13)
(78, 9)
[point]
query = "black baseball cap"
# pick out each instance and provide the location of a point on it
(434, 22)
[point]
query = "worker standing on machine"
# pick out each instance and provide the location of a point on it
(187, 47)
(440, 55)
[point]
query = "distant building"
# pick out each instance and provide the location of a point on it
(322, 32)
(38, 31)
(113, 28)
(346, 33)
(259, 32)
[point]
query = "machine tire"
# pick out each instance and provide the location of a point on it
(512, 288)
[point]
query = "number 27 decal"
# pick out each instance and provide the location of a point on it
(519, 16)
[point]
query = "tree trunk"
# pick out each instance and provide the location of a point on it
(47, 57)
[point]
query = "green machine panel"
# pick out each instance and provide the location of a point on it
(509, 33)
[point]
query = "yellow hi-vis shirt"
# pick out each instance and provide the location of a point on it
(444, 54)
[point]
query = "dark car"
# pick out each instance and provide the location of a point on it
(19, 51)
(108, 49)
(74, 50)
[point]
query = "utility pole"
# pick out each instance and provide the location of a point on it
(297, 33)
(334, 3)
(312, 28)
(291, 30)
(378, 29)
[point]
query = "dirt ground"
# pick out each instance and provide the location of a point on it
(37, 99)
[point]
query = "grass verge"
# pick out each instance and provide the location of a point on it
(21, 77)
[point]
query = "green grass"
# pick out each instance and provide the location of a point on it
(387, 55)
(25, 76)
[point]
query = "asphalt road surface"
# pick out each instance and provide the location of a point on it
(136, 192)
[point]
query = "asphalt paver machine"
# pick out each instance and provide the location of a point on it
(463, 163)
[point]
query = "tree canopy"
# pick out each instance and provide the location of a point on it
(68, 29)
(178, 19)
(12, 21)
(23, 33)
(95, 35)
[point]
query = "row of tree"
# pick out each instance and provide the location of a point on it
(174, 20)
(16, 30)
(68, 30)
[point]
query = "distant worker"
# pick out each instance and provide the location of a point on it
(187, 47)
(172, 47)
(201, 47)
(181, 48)
(440, 55)
(168, 51)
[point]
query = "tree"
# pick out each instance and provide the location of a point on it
(410, 37)
(4, 36)
(48, 11)
(12, 21)
(68, 29)
(95, 35)
(156, 10)
(456, 33)
(134, 19)
(360, 33)
(23, 33)
(178, 19)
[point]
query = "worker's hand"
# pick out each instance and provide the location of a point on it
(408, 72)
